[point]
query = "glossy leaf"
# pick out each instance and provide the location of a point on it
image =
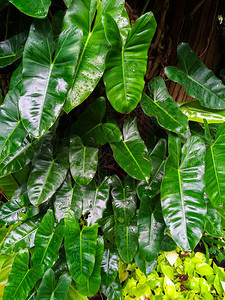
(131, 153)
(164, 108)
(151, 228)
(145, 266)
(213, 220)
(83, 161)
(196, 112)
(168, 244)
(73, 293)
(183, 204)
(48, 290)
(127, 240)
(124, 199)
(107, 223)
(47, 241)
(4, 271)
(91, 63)
(40, 107)
(47, 174)
(12, 49)
(92, 285)
(109, 266)
(126, 64)
(80, 247)
(198, 81)
(21, 278)
(92, 199)
(214, 168)
(113, 291)
(37, 9)
(22, 236)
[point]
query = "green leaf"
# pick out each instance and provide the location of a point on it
(124, 199)
(92, 285)
(214, 168)
(213, 220)
(109, 266)
(127, 240)
(22, 236)
(145, 266)
(107, 223)
(48, 290)
(21, 278)
(164, 108)
(12, 49)
(92, 199)
(183, 204)
(40, 107)
(168, 244)
(151, 228)
(73, 293)
(113, 291)
(6, 266)
(196, 112)
(47, 174)
(198, 81)
(47, 241)
(126, 64)
(131, 153)
(37, 9)
(91, 63)
(83, 161)
(80, 247)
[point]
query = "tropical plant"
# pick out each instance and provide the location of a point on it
(84, 189)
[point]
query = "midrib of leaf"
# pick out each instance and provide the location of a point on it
(7, 56)
(46, 248)
(47, 175)
(157, 171)
(108, 265)
(215, 171)
(127, 241)
(124, 201)
(123, 75)
(211, 224)
(20, 283)
(81, 261)
(84, 153)
(90, 130)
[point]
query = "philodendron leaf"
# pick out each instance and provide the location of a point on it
(92, 285)
(40, 106)
(183, 204)
(164, 108)
(22, 236)
(126, 64)
(48, 289)
(107, 223)
(37, 9)
(131, 153)
(198, 81)
(5, 269)
(80, 246)
(73, 293)
(214, 168)
(21, 278)
(151, 228)
(109, 266)
(124, 199)
(145, 266)
(213, 220)
(47, 241)
(12, 49)
(113, 291)
(127, 239)
(83, 161)
(47, 174)
(90, 199)
(91, 63)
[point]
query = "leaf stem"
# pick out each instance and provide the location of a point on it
(145, 7)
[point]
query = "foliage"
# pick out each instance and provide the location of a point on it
(89, 188)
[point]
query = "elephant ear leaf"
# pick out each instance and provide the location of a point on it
(109, 266)
(198, 81)
(126, 65)
(21, 278)
(183, 203)
(40, 106)
(35, 9)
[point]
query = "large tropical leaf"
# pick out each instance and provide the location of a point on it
(21, 278)
(109, 266)
(107, 223)
(47, 241)
(197, 80)
(183, 204)
(164, 108)
(214, 168)
(150, 229)
(73, 293)
(48, 289)
(131, 153)
(213, 220)
(47, 173)
(40, 107)
(80, 246)
(91, 63)
(124, 199)
(126, 64)
(12, 49)
(22, 236)
(5, 269)
(37, 9)
(92, 285)
(83, 161)
(113, 291)
(145, 266)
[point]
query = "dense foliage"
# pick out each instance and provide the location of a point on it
(72, 216)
